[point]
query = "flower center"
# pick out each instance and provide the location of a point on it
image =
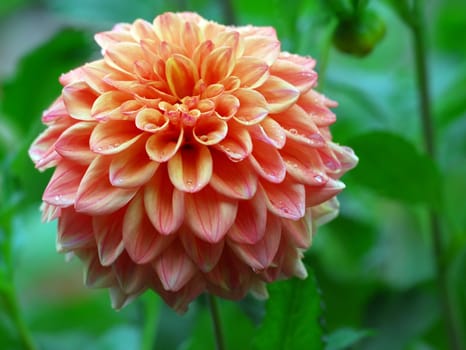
(188, 111)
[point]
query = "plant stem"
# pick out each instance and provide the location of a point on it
(228, 12)
(217, 327)
(418, 29)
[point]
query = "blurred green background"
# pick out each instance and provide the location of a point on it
(374, 265)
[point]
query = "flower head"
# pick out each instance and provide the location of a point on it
(192, 157)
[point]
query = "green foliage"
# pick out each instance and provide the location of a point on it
(344, 338)
(393, 167)
(293, 317)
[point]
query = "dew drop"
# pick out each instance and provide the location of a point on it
(204, 138)
(150, 127)
(293, 131)
(319, 178)
(58, 198)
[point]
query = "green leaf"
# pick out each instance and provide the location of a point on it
(7, 6)
(457, 284)
(392, 167)
(452, 106)
(346, 337)
(292, 317)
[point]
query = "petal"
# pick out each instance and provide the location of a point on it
(107, 106)
(164, 145)
(297, 75)
(299, 126)
(132, 167)
(96, 195)
(217, 65)
(190, 169)
(210, 131)
(107, 232)
(79, 98)
(95, 275)
(94, 74)
(314, 104)
(181, 75)
(63, 186)
(174, 268)
(73, 144)
(269, 131)
(279, 94)
(252, 71)
(233, 179)
(75, 231)
(260, 255)
(122, 56)
(286, 200)
(325, 212)
(192, 36)
(169, 27)
(267, 162)
(226, 106)
(141, 240)
(113, 136)
(249, 226)
(318, 195)
(304, 163)
(108, 38)
(42, 151)
(253, 107)
(266, 48)
(163, 203)
(204, 254)
(141, 29)
(237, 145)
(299, 232)
(132, 278)
(209, 214)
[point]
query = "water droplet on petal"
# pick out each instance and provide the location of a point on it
(293, 131)
(150, 127)
(204, 138)
(319, 178)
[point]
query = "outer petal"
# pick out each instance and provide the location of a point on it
(63, 186)
(163, 203)
(299, 232)
(280, 95)
(204, 254)
(95, 274)
(75, 231)
(174, 268)
(107, 106)
(286, 200)
(249, 226)
(261, 254)
(252, 71)
(253, 107)
(107, 232)
(113, 136)
(132, 278)
(297, 75)
(317, 195)
(209, 214)
(266, 48)
(79, 98)
(122, 56)
(238, 143)
(267, 161)
(96, 196)
(269, 131)
(141, 240)
(190, 169)
(73, 144)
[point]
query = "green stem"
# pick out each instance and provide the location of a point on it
(418, 29)
(152, 311)
(217, 327)
(228, 12)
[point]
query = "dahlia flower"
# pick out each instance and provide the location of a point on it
(193, 157)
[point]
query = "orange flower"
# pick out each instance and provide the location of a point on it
(193, 157)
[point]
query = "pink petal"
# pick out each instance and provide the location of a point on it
(249, 226)
(226, 106)
(63, 186)
(73, 143)
(204, 254)
(209, 214)
(192, 36)
(95, 275)
(231, 39)
(107, 232)
(163, 146)
(266, 48)
(169, 27)
(174, 268)
(113, 136)
(253, 107)
(304, 163)
(279, 94)
(314, 104)
(132, 278)
(267, 162)
(269, 131)
(75, 231)
(297, 75)
(286, 200)
(299, 126)
(42, 151)
(260, 254)
(299, 232)
(252, 71)
(240, 183)
(237, 145)
(141, 240)
(217, 65)
(190, 169)
(141, 29)
(107, 106)
(106, 39)
(163, 203)
(132, 167)
(96, 195)
(122, 56)
(317, 195)
(94, 74)
(181, 75)
(210, 131)
(79, 98)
